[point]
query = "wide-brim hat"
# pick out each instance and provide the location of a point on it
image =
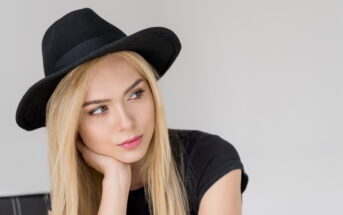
(82, 35)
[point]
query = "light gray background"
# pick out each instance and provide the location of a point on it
(264, 75)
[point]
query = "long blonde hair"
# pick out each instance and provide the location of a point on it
(75, 187)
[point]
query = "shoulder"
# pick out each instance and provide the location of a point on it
(210, 157)
(200, 144)
(189, 138)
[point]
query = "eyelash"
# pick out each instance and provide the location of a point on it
(139, 93)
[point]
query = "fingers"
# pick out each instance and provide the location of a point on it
(85, 153)
(79, 144)
(91, 158)
(81, 148)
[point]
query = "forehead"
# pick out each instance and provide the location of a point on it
(112, 74)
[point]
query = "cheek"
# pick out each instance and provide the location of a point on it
(147, 112)
(92, 136)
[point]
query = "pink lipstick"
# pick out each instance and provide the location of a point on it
(132, 143)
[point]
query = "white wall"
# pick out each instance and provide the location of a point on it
(265, 75)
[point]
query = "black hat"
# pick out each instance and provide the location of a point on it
(79, 36)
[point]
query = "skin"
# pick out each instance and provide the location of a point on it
(126, 115)
(224, 196)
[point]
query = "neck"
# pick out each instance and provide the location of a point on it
(136, 176)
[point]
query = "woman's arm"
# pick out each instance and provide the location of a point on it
(224, 196)
(116, 182)
(114, 196)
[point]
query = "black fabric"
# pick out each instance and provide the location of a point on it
(207, 157)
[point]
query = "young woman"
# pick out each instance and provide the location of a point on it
(109, 148)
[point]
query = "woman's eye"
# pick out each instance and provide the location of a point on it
(97, 112)
(139, 93)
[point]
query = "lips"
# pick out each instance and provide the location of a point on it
(131, 140)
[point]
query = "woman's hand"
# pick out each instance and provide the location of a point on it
(108, 166)
(116, 182)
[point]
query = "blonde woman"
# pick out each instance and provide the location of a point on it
(109, 148)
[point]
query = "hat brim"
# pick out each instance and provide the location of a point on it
(158, 45)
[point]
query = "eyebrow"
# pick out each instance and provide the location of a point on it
(106, 100)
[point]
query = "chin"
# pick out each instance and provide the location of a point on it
(131, 160)
(131, 157)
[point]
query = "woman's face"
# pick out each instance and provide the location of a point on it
(126, 110)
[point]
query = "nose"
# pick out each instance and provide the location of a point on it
(124, 120)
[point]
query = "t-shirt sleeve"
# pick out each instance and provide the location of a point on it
(212, 158)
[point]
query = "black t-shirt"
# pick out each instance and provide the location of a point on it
(206, 157)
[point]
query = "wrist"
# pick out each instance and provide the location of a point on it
(113, 198)
(112, 182)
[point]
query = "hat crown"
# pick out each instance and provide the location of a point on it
(70, 31)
